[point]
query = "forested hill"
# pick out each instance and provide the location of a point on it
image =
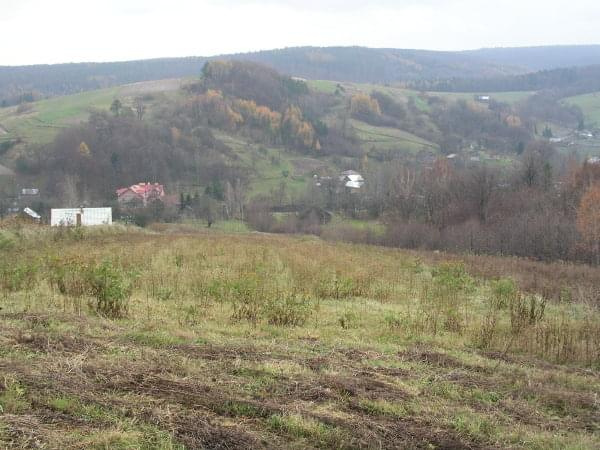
(357, 64)
(540, 58)
(563, 82)
(367, 65)
(21, 83)
(354, 64)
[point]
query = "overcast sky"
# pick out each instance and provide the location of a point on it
(52, 31)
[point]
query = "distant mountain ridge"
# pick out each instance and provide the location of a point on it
(357, 64)
(540, 58)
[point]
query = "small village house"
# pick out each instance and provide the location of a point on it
(352, 179)
(140, 194)
(70, 217)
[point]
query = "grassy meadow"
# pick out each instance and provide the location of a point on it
(39, 122)
(379, 140)
(590, 106)
(177, 338)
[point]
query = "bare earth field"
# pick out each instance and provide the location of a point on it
(118, 338)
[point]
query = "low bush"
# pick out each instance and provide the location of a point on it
(288, 310)
(111, 289)
(17, 277)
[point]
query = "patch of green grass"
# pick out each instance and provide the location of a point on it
(47, 117)
(326, 86)
(385, 408)
(299, 427)
(157, 339)
(12, 397)
(378, 139)
(590, 106)
(145, 438)
(505, 97)
(475, 426)
(241, 409)
(231, 226)
(358, 224)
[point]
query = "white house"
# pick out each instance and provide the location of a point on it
(80, 217)
(352, 179)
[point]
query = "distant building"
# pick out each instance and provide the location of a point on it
(70, 217)
(483, 98)
(593, 160)
(141, 193)
(352, 179)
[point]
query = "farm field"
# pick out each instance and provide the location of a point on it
(385, 139)
(122, 338)
(590, 106)
(40, 121)
(505, 97)
(404, 94)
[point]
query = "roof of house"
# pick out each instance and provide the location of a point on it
(142, 189)
(349, 172)
(354, 184)
(355, 178)
(31, 213)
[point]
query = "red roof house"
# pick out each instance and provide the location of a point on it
(143, 193)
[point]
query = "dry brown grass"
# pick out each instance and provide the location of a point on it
(374, 349)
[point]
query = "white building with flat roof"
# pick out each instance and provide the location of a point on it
(70, 217)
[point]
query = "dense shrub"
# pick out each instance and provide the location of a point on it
(288, 309)
(111, 289)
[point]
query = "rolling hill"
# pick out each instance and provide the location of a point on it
(356, 64)
(540, 58)
(590, 106)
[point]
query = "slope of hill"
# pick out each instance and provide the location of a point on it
(39, 122)
(563, 81)
(589, 105)
(336, 63)
(356, 64)
(183, 340)
(361, 64)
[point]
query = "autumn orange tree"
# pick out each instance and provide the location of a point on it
(588, 219)
(296, 131)
(363, 106)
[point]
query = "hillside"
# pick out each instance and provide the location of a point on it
(128, 339)
(335, 63)
(590, 106)
(540, 58)
(243, 142)
(357, 64)
(406, 128)
(39, 122)
(366, 65)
